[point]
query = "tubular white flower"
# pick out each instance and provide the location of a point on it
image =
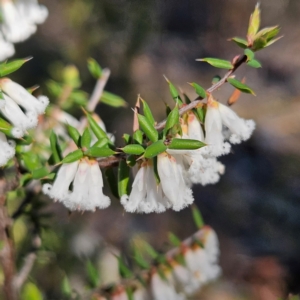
(146, 195)
(31, 11)
(163, 289)
(194, 129)
(87, 191)
(7, 48)
(241, 129)
(211, 244)
(60, 188)
(22, 97)
(213, 131)
(14, 27)
(16, 116)
(174, 187)
(7, 149)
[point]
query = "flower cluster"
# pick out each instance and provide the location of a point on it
(87, 184)
(177, 170)
(183, 275)
(18, 22)
(21, 109)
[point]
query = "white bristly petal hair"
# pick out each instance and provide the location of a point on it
(146, 195)
(15, 27)
(7, 49)
(164, 289)
(7, 149)
(87, 191)
(32, 11)
(23, 98)
(174, 186)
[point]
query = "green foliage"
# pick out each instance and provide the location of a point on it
(92, 274)
(94, 68)
(12, 66)
(31, 292)
(123, 178)
(73, 156)
(217, 63)
(185, 144)
(240, 86)
(199, 90)
(112, 100)
(198, 220)
(172, 120)
(148, 128)
(155, 149)
(133, 149)
(99, 152)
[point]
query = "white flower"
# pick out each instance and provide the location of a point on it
(146, 195)
(184, 280)
(15, 27)
(32, 11)
(170, 171)
(141, 294)
(87, 188)
(213, 131)
(241, 129)
(7, 149)
(16, 116)
(60, 188)
(211, 244)
(7, 49)
(22, 97)
(163, 289)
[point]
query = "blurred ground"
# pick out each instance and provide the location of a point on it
(255, 208)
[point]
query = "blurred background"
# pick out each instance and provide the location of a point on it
(255, 208)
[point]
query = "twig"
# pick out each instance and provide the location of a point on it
(214, 87)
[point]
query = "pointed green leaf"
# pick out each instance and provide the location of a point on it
(73, 156)
(123, 178)
(200, 113)
(134, 149)
(40, 173)
(94, 68)
(99, 152)
(138, 136)
(199, 90)
(12, 66)
(112, 100)
(31, 161)
(86, 139)
(70, 75)
(174, 240)
(31, 292)
(97, 130)
(254, 22)
(123, 269)
(172, 120)
(147, 112)
(249, 54)
(127, 138)
(56, 154)
(102, 143)
(65, 287)
(197, 217)
(131, 160)
(74, 134)
(240, 86)
(217, 63)
(254, 63)
(240, 42)
(93, 274)
(155, 149)
(148, 128)
(185, 144)
(268, 33)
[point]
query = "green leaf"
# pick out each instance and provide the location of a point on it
(94, 68)
(112, 100)
(86, 139)
(93, 274)
(174, 93)
(5, 127)
(40, 173)
(148, 128)
(66, 287)
(147, 112)
(99, 152)
(102, 143)
(25, 178)
(197, 217)
(123, 269)
(150, 250)
(172, 120)
(185, 144)
(112, 181)
(31, 161)
(134, 149)
(259, 43)
(123, 178)
(249, 54)
(240, 86)
(97, 130)
(268, 33)
(216, 79)
(31, 292)
(240, 42)
(79, 97)
(218, 63)
(199, 90)
(127, 138)
(254, 22)
(73, 156)
(131, 160)
(200, 113)
(56, 154)
(174, 240)
(155, 149)
(70, 75)
(138, 136)
(10, 67)
(254, 63)
(74, 134)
